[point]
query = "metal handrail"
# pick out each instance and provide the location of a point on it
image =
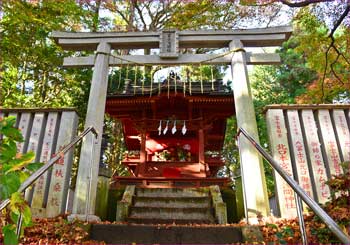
(332, 225)
(30, 180)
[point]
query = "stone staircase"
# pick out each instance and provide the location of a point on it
(171, 206)
(169, 216)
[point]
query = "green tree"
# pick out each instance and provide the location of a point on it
(14, 169)
(327, 55)
(30, 68)
(321, 28)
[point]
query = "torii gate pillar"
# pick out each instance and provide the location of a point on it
(252, 171)
(86, 185)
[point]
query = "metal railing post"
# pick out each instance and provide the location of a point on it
(19, 225)
(300, 218)
(332, 225)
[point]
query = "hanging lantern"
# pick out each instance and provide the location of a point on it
(184, 129)
(173, 130)
(166, 127)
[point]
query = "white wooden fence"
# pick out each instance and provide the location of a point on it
(309, 142)
(45, 131)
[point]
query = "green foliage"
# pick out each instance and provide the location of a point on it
(329, 57)
(9, 232)
(31, 70)
(230, 151)
(14, 169)
(115, 147)
(205, 73)
(284, 232)
(229, 197)
(116, 80)
(114, 196)
(283, 83)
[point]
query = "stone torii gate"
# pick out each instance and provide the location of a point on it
(169, 43)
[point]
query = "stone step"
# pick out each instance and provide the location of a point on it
(159, 220)
(155, 234)
(172, 192)
(176, 202)
(171, 213)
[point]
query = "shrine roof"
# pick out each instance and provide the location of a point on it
(143, 108)
(195, 88)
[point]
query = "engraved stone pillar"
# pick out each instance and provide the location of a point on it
(253, 172)
(343, 134)
(85, 192)
(61, 170)
(34, 145)
(41, 184)
(317, 163)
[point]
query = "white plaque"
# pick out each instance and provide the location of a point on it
(40, 187)
(343, 134)
(23, 126)
(330, 143)
(61, 171)
(313, 148)
(34, 142)
(169, 44)
(280, 151)
(299, 154)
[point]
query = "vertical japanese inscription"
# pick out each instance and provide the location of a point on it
(35, 140)
(23, 126)
(299, 155)
(35, 134)
(41, 184)
(58, 189)
(314, 151)
(169, 44)
(329, 141)
(343, 134)
(281, 153)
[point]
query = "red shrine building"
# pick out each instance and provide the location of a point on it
(174, 132)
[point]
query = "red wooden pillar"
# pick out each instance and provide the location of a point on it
(201, 156)
(143, 156)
